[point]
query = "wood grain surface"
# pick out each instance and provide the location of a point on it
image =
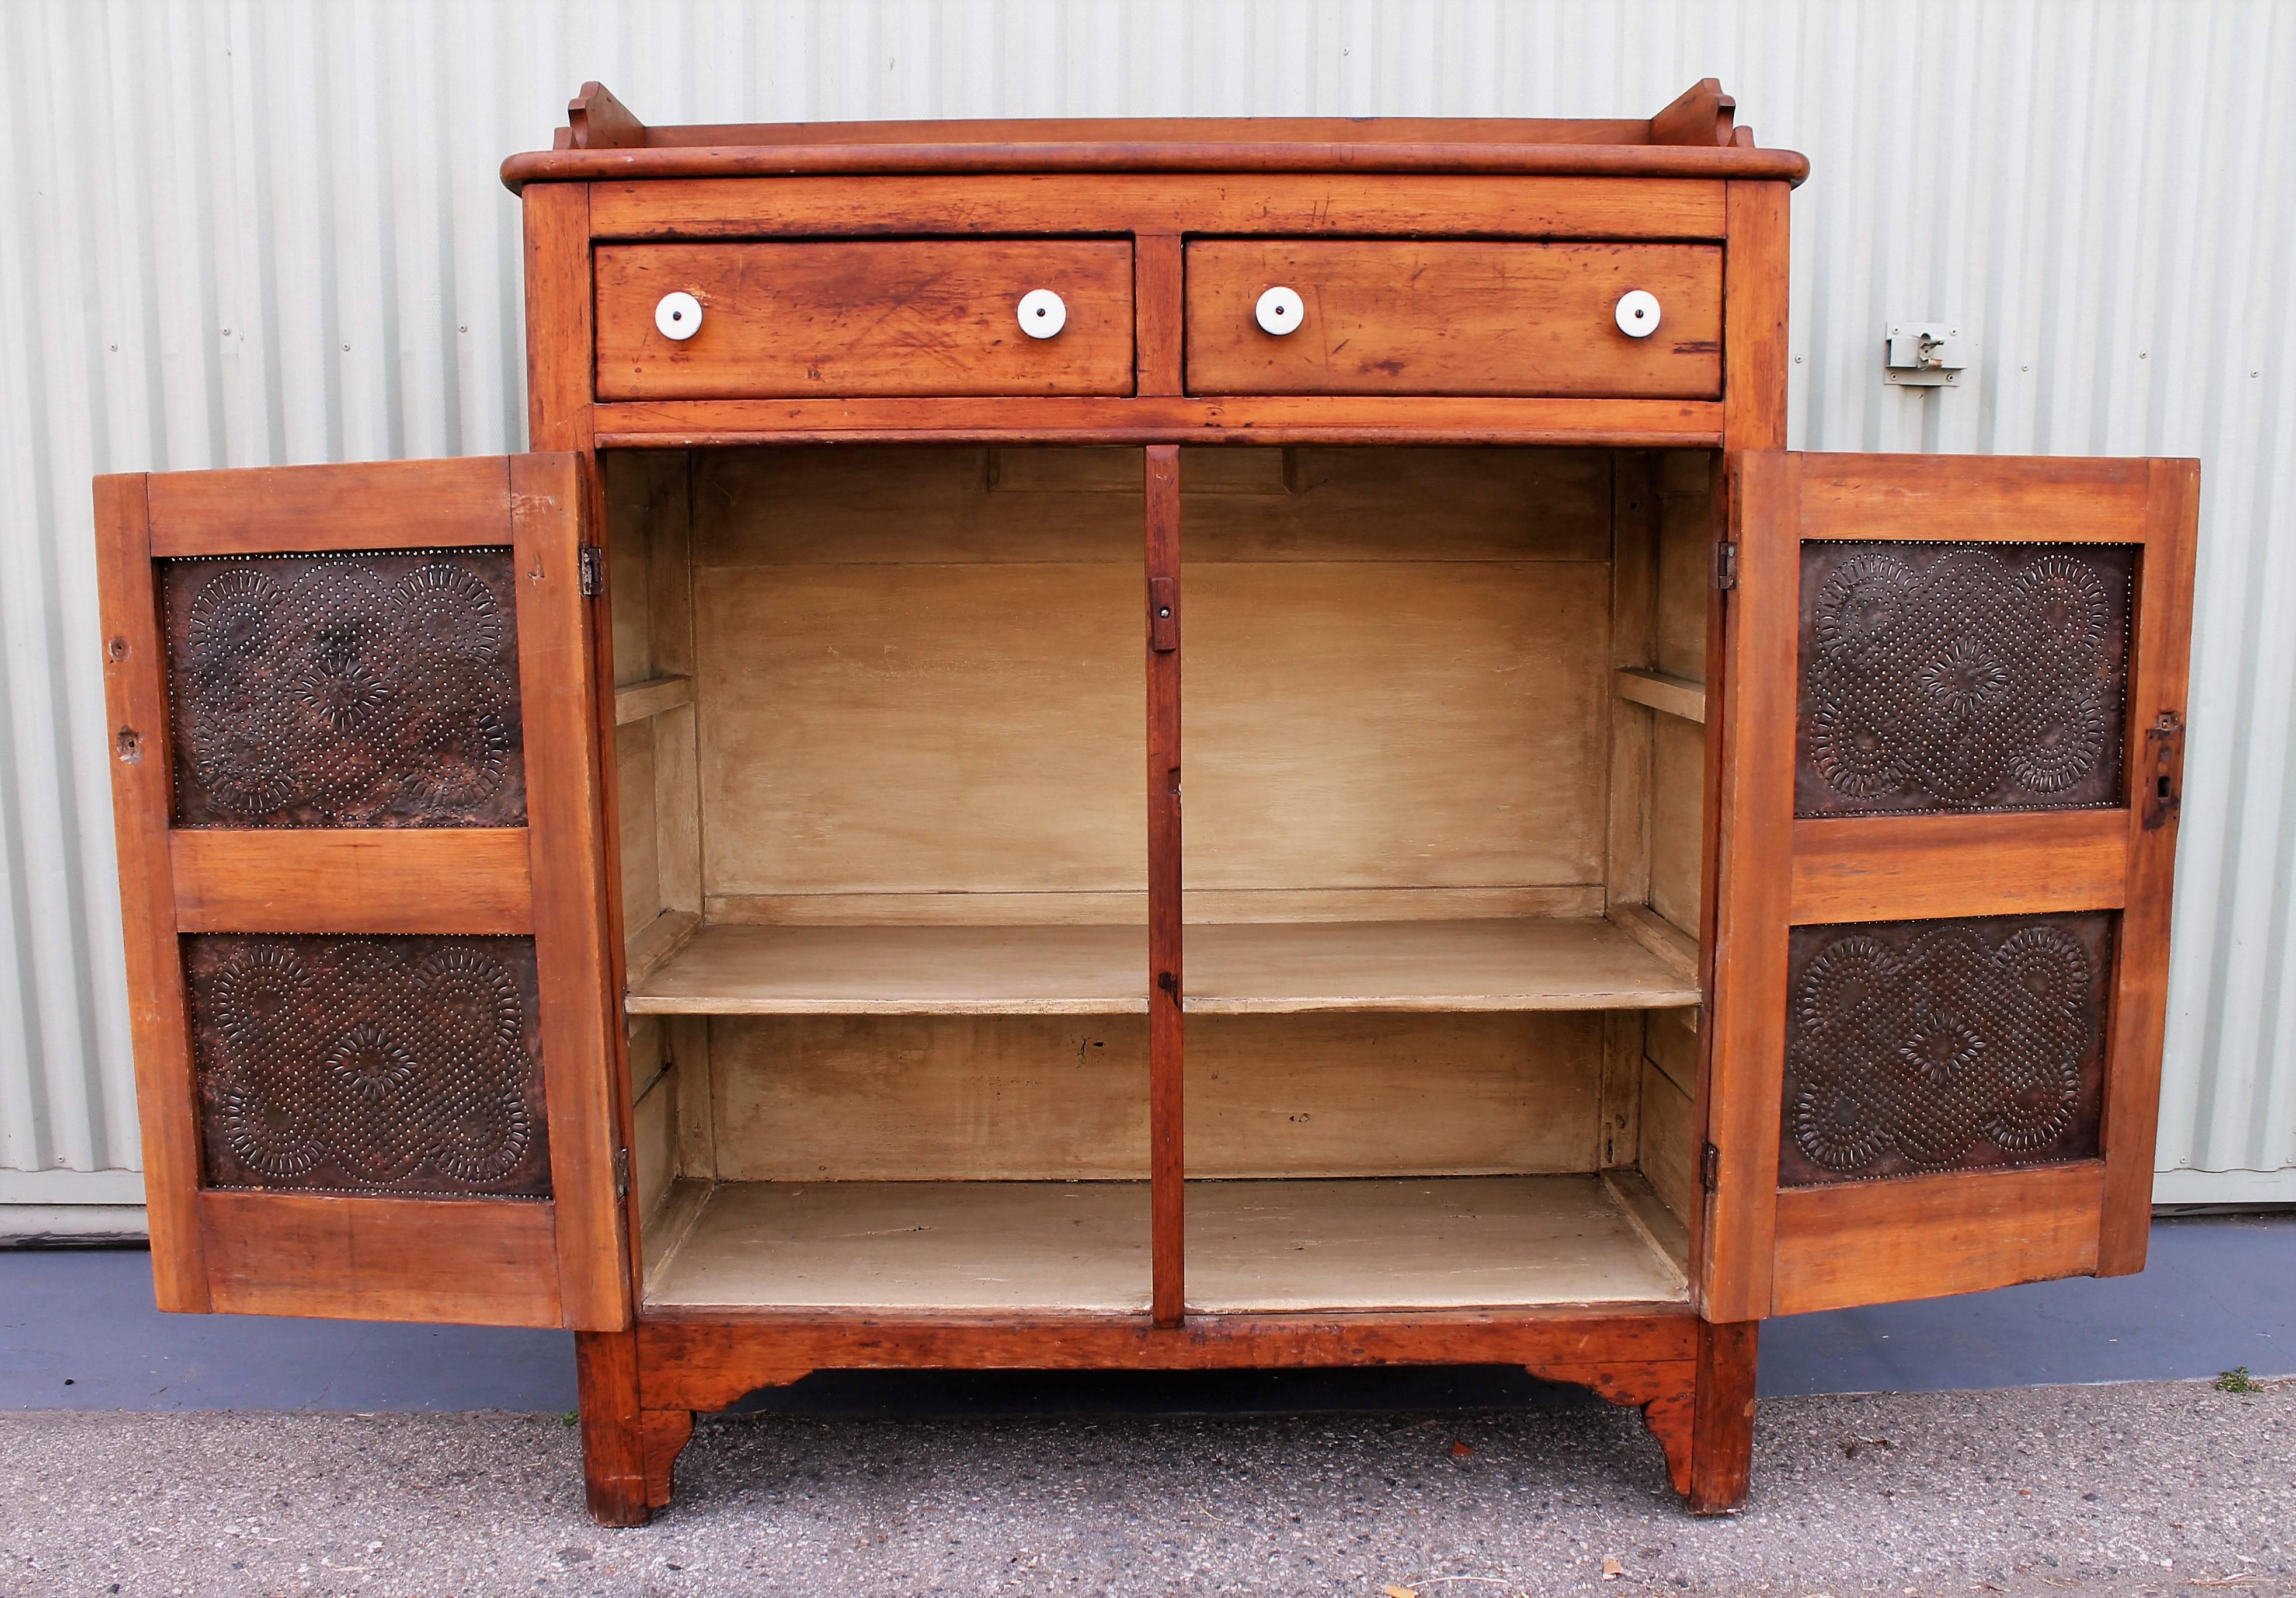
(1454, 318)
(1160, 205)
(1918, 1237)
(398, 504)
(929, 316)
(353, 879)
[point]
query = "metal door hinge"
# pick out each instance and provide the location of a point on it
(1725, 565)
(1709, 1168)
(593, 571)
(621, 1173)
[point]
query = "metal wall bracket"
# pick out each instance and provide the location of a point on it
(1921, 355)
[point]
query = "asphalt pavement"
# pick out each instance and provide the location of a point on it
(143, 1453)
(2163, 1489)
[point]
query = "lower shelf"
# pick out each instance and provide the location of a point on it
(1447, 1242)
(914, 1245)
(1380, 1243)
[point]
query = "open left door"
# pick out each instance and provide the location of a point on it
(356, 779)
(1951, 751)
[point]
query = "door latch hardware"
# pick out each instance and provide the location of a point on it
(1163, 615)
(593, 571)
(1709, 1168)
(2164, 766)
(130, 745)
(621, 1173)
(1725, 565)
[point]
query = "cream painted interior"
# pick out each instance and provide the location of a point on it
(882, 806)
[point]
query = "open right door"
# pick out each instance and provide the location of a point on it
(1950, 750)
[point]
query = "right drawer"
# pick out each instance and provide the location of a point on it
(1452, 317)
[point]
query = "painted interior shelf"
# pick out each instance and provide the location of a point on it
(1458, 1242)
(900, 971)
(1663, 692)
(1235, 969)
(637, 702)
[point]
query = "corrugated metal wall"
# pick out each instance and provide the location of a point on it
(237, 232)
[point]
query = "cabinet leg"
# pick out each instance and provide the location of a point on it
(614, 1453)
(1722, 1443)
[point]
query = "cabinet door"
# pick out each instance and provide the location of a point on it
(355, 761)
(1950, 753)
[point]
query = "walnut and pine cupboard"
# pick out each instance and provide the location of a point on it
(720, 882)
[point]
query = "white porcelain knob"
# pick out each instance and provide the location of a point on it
(1638, 313)
(1279, 311)
(1043, 313)
(678, 316)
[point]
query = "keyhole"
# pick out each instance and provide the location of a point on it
(2163, 790)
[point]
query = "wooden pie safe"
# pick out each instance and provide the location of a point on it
(717, 883)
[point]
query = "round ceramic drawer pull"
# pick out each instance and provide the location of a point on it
(678, 316)
(1638, 313)
(1043, 313)
(1279, 311)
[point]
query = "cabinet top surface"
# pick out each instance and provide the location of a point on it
(1696, 136)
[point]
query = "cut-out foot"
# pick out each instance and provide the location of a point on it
(1664, 1391)
(666, 1433)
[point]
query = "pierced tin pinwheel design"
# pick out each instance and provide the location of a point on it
(1962, 677)
(396, 1064)
(1936, 1045)
(346, 690)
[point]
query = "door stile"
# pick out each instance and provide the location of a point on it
(1750, 727)
(1730, 1229)
(568, 839)
(135, 696)
(1166, 1111)
(2160, 675)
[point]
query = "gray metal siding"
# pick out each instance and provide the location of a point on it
(241, 232)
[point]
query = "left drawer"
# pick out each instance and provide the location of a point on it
(925, 316)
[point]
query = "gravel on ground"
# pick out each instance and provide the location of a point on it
(2154, 1488)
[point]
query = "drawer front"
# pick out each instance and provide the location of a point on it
(1382, 316)
(912, 316)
